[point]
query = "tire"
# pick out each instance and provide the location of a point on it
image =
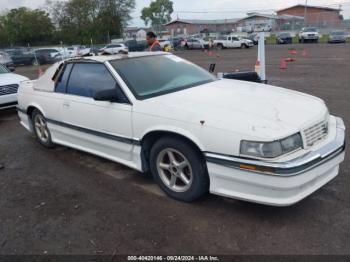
(35, 62)
(183, 175)
(243, 46)
(41, 131)
(220, 46)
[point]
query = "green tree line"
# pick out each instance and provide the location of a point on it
(72, 22)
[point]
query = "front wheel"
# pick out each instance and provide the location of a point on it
(35, 62)
(179, 169)
(41, 130)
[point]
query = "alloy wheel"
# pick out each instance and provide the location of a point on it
(41, 128)
(174, 170)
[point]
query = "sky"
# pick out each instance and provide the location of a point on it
(205, 9)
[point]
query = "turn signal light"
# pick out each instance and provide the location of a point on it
(257, 168)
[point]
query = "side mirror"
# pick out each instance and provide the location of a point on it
(114, 95)
(212, 68)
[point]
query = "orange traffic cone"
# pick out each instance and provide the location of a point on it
(304, 53)
(40, 72)
(257, 67)
(283, 64)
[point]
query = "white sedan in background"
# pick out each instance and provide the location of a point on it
(114, 49)
(9, 83)
(195, 133)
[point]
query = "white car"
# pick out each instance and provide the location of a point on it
(195, 133)
(308, 34)
(232, 41)
(76, 51)
(163, 43)
(114, 49)
(9, 83)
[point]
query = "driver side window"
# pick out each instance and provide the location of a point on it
(88, 78)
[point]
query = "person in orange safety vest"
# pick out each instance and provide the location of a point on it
(153, 43)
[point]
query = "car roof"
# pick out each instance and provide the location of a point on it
(105, 58)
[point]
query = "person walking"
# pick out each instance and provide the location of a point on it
(153, 43)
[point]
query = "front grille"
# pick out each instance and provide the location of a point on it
(8, 89)
(316, 133)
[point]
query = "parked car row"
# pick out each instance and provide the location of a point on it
(307, 34)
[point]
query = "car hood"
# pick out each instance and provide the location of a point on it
(258, 110)
(10, 79)
(310, 33)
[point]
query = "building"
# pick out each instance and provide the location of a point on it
(269, 22)
(194, 26)
(315, 15)
(135, 32)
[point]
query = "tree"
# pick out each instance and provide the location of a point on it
(78, 21)
(23, 26)
(158, 13)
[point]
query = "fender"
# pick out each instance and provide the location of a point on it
(175, 130)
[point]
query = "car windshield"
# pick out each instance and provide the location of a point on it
(337, 33)
(3, 70)
(284, 34)
(156, 75)
(310, 29)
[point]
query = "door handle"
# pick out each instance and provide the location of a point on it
(66, 104)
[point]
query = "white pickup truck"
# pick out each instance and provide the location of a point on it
(232, 41)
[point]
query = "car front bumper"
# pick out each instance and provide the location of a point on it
(8, 101)
(283, 183)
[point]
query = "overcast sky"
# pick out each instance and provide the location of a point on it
(217, 9)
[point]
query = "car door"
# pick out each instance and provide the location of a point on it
(198, 44)
(236, 42)
(229, 42)
(100, 127)
(117, 48)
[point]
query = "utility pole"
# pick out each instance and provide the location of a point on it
(305, 14)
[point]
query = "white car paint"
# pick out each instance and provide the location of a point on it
(307, 34)
(8, 92)
(216, 117)
(233, 41)
(75, 51)
(114, 49)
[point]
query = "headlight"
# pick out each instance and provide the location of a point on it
(271, 149)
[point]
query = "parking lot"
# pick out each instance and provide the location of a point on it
(62, 201)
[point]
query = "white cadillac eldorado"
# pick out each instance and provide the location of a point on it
(195, 133)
